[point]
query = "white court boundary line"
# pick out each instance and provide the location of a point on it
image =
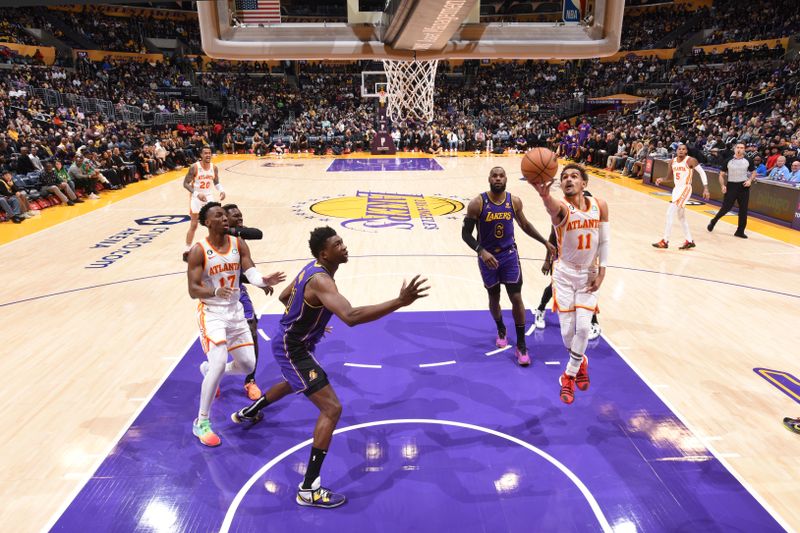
(363, 365)
(493, 352)
(718, 456)
(598, 513)
(52, 522)
(58, 514)
(443, 363)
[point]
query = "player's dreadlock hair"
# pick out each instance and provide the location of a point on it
(204, 211)
(318, 239)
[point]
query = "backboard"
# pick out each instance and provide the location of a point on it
(407, 30)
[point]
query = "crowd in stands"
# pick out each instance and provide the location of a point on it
(52, 154)
(751, 20)
(748, 53)
(643, 31)
(712, 117)
(13, 22)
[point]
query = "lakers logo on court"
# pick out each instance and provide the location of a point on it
(372, 211)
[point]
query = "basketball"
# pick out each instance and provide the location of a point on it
(539, 165)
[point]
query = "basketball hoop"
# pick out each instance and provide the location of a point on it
(410, 87)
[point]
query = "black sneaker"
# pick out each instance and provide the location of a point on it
(792, 424)
(711, 225)
(70, 202)
(240, 418)
(741, 235)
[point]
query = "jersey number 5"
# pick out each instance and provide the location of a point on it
(588, 242)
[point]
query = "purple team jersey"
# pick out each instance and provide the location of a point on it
(496, 235)
(496, 224)
(583, 132)
(302, 324)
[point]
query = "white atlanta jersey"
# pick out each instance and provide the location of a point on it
(578, 234)
(682, 177)
(203, 179)
(221, 268)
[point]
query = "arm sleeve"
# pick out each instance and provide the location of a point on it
(248, 234)
(605, 239)
(702, 173)
(466, 234)
(254, 277)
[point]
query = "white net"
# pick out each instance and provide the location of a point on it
(410, 87)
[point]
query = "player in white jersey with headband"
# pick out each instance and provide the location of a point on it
(202, 182)
(681, 168)
(583, 234)
(215, 266)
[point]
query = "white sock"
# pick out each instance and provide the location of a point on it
(583, 324)
(670, 215)
(217, 356)
(685, 223)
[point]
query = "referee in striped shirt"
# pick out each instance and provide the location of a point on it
(737, 169)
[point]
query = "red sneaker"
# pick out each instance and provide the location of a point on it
(567, 388)
(687, 245)
(661, 244)
(582, 377)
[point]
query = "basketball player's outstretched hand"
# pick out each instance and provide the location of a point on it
(414, 290)
(543, 188)
(274, 278)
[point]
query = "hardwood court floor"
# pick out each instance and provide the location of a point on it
(84, 348)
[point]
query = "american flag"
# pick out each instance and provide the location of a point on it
(258, 11)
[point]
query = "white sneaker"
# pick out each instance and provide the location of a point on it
(595, 332)
(93, 196)
(318, 496)
(538, 320)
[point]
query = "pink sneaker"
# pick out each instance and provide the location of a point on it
(523, 359)
(501, 342)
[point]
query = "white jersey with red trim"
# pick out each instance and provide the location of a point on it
(682, 177)
(221, 268)
(681, 173)
(578, 234)
(204, 180)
